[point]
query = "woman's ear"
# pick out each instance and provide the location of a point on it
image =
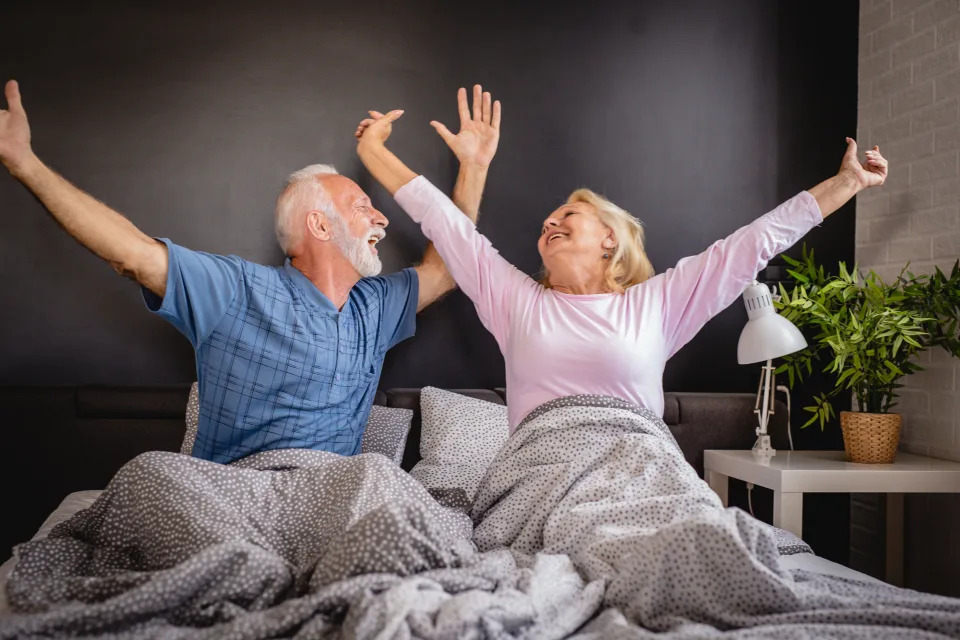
(318, 226)
(610, 242)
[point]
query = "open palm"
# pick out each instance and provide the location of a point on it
(479, 134)
(14, 129)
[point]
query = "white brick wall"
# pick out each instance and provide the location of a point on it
(909, 104)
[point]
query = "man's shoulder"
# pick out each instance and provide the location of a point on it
(380, 284)
(231, 259)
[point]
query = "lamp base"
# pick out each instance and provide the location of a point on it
(762, 450)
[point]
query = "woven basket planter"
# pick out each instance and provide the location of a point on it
(870, 437)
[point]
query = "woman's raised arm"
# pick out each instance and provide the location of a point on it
(494, 285)
(701, 286)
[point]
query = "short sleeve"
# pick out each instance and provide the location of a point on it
(398, 293)
(200, 288)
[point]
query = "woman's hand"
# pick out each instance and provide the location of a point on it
(377, 128)
(871, 173)
(480, 134)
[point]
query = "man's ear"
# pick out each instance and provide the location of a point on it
(318, 225)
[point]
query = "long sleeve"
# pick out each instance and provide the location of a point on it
(701, 286)
(494, 285)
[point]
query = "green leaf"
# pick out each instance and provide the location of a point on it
(799, 277)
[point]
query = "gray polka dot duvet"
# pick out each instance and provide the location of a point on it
(605, 483)
(301, 544)
(589, 524)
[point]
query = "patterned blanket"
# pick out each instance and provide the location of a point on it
(605, 483)
(300, 544)
(588, 522)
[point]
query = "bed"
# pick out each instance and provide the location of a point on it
(152, 419)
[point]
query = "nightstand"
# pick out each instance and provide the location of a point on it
(790, 474)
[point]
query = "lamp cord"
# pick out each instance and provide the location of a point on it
(786, 390)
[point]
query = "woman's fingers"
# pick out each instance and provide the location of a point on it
(366, 122)
(496, 115)
(486, 109)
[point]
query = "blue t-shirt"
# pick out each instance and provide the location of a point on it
(278, 365)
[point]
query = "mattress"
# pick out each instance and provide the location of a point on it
(80, 500)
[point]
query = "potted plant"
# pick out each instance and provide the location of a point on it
(866, 333)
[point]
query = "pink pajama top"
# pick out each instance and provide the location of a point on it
(558, 344)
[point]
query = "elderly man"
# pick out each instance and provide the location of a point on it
(287, 357)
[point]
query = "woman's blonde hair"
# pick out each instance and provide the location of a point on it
(628, 264)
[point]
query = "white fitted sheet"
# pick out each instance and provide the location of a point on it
(80, 500)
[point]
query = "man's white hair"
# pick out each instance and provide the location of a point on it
(302, 193)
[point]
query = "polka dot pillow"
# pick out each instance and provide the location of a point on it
(459, 437)
(386, 431)
(193, 417)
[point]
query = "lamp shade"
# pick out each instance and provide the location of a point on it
(766, 335)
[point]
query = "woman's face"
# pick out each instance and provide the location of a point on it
(574, 233)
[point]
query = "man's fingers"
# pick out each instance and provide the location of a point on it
(462, 106)
(486, 109)
(13, 96)
(495, 122)
(477, 99)
(443, 131)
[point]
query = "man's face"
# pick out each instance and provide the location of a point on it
(360, 226)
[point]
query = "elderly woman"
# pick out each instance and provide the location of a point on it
(590, 471)
(599, 321)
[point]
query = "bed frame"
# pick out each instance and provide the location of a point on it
(64, 439)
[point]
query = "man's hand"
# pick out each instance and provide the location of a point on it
(377, 128)
(479, 135)
(871, 173)
(14, 130)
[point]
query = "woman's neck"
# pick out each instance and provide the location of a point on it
(578, 284)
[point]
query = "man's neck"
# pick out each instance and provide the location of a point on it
(334, 276)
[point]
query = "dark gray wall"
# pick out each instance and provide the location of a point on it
(697, 115)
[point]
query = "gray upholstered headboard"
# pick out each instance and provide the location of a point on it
(63, 439)
(698, 420)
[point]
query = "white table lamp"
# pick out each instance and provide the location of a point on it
(766, 336)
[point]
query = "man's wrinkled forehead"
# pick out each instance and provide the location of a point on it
(343, 191)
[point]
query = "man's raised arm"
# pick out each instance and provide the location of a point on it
(95, 225)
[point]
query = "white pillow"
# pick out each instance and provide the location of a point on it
(386, 431)
(459, 438)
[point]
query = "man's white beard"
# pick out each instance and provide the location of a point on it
(357, 250)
